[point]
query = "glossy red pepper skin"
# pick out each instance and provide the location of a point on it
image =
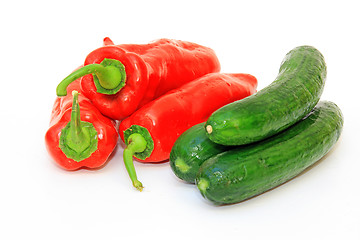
(168, 116)
(60, 117)
(151, 70)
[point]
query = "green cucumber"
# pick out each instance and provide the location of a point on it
(293, 94)
(190, 150)
(249, 170)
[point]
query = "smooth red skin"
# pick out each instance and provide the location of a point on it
(167, 117)
(60, 117)
(151, 70)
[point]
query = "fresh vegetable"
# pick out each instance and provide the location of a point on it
(79, 136)
(293, 94)
(249, 170)
(151, 131)
(190, 150)
(119, 79)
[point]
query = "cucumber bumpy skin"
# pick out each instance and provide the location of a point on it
(190, 150)
(293, 94)
(247, 171)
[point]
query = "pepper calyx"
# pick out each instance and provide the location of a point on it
(146, 135)
(139, 144)
(78, 139)
(109, 77)
(117, 74)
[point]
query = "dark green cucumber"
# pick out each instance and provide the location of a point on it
(247, 171)
(293, 94)
(190, 150)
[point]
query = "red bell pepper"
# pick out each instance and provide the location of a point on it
(79, 136)
(151, 131)
(119, 79)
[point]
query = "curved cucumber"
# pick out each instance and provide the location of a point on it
(190, 150)
(294, 93)
(246, 171)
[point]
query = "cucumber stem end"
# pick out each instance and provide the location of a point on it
(181, 165)
(203, 184)
(209, 129)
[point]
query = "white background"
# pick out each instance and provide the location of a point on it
(43, 41)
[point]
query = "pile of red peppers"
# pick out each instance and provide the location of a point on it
(154, 91)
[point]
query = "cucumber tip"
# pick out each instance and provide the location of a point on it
(203, 184)
(209, 129)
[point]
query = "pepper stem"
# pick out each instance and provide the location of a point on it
(78, 140)
(137, 143)
(109, 77)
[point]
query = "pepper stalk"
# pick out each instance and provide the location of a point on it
(109, 77)
(136, 144)
(139, 144)
(78, 139)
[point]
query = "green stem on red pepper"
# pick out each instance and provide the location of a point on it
(136, 144)
(78, 139)
(109, 77)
